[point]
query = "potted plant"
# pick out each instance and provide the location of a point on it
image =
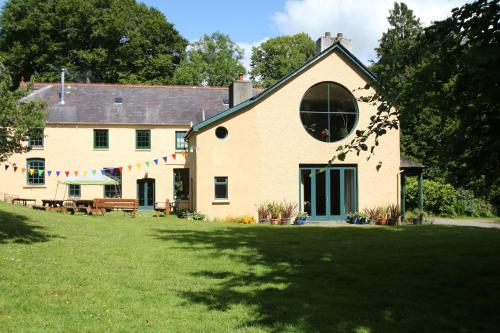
(394, 214)
(417, 216)
(289, 209)
(301, 218)
(372, 214)
(275, 210)
(383, 212)
(263, 213)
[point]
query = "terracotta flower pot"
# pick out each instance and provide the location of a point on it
(285, 221)
(382, 221)
(275, 221)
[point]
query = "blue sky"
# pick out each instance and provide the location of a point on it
(250, 22)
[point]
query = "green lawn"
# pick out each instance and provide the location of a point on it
(118, 274)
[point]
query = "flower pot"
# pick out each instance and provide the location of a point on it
(417, 220)
(275, 221)
(285, 221)
(264, 221)
(300, 221)
(393, 221)
(382, 221)
(362, 220)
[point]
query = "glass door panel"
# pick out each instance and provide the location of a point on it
(349, 191)
(320, 193)
(335, 192)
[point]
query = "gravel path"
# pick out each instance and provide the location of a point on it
(467, 223)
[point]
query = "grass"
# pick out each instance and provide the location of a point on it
(118, 274)
(494, 219)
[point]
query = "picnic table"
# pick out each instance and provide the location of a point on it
(52, 205)
(79, 205)
(24, 201)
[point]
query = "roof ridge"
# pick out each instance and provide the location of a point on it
(79, 84)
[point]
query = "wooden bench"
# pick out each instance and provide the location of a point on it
(161, 207)
(126, 205)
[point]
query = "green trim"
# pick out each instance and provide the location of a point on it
(101, 146)
(142, 142)
(36, 178)
(225, 182)
(283, 81)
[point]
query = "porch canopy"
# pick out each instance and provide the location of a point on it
(411, 168)
(89, 180)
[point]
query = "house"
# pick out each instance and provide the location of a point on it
(244, 146)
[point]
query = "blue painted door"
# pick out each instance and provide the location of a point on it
(146, 193)
(328, 193)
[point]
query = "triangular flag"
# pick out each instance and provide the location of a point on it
(67, 173)
(84, 173)
(6, 166)
(138, 165)
(23, 170)
(129, 167)
(58, 173)
(165, 159)
(112, 171)
(103, 172)
(156, 161)
(40, 173)
(120, 169)
(76, 173)
(147, 163)
(93, 172)
(32, 171)
(49, 173)
(174, 155)
(15, 169)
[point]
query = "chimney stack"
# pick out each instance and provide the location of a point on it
(327, 40)
(239, 91)
(62, 86)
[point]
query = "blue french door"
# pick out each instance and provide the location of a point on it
(328, 193)
(146, 193)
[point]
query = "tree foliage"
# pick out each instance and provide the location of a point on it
(214, 60)
(279, 56)
(446, 97)
(18, 120)
(97, 40)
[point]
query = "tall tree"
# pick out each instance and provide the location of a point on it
(96, 40)
(18, 120)
(279, 56)
(214, 60)
(454, 80)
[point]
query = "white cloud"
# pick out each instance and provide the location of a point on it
(363, 21)
(247, 47)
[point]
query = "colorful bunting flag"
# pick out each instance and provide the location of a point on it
(58, 173)
(32, 171)
(103, 172)
(23, 170)
(6, 167)
(174, 155)
(40, 173)
(120, 169)
(165, 159)
(147, 163)
(93, 172)
(129, 167)
(138, 165)
(67, 173)
(49, 173)
(15, 168)
(84, 173)
(156, 161)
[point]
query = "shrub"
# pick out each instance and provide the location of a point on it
(198, 216)
(469, 205)
(439, 198)
(248, 219)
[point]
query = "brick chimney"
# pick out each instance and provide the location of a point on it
(239, 91)
(327, 40)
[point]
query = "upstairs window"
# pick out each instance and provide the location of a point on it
(35, 171)
(101, 138)
(143, 139)
(328, 112)
(36, 141)
(180, 142)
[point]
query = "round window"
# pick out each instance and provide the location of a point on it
(221, 132)
(328, 111)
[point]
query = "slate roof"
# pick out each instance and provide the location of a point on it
(406, 163)
(95, 103)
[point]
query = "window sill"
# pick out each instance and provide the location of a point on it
(220, 202)
(34, 186)
(101, 149)
(142, 149)
(36, 148)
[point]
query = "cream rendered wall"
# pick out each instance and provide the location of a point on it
(70, 147)
(266, 144)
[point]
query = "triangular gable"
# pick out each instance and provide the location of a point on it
(336, 46)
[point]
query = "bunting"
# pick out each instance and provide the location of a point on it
(49, 173)
(23, 170)
(58, 173)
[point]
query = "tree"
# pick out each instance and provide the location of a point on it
(96, 40)
(277, 57)
(213, 60)
(18, 120)
(453, 77)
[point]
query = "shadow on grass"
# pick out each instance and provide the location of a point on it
(428, 279)
(14, 228)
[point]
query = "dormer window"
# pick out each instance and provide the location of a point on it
(118, 100)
